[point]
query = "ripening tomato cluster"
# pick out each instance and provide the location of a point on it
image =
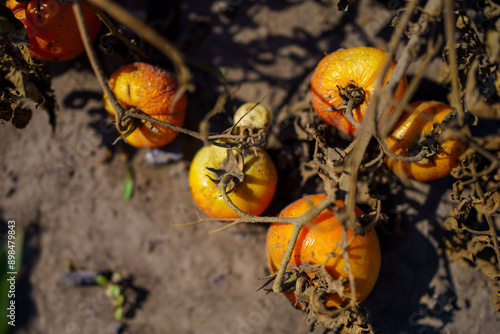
(255, 190)
(318, 238)
(341, 89)
(349, 75)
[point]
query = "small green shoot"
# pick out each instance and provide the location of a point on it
(128, 186)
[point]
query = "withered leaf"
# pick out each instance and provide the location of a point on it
(11, 29)
(488, 268)
(490, 204)
(11, 112)
(496, 301)
(343, 5)
(23, 78)
(482, 109)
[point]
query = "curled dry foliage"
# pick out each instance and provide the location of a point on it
(478, 200)
(310, 291)
(475, 190)
(23, 79)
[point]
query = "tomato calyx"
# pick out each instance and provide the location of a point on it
(426, 148)
(310, 285)
(130, 121)
(353, 96)
(230, 171)
(352, 92)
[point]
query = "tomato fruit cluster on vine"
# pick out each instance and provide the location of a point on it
(348, 76)
(342, 87)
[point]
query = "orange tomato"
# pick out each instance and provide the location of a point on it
(404, 140)
(252, 196)
(318, 239)
(358, 67)
(151, 90)
(54, 34)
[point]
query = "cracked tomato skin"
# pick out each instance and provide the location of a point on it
(252, 196)
(406, 135)
(54, 35)
(358, 65)
(317, 239)
(150, 89)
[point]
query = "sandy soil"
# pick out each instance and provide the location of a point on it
(69, 201)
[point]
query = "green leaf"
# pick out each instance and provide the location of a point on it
(223, 70)
(115, 290)
(118, 313)
(120, 300)
(101, 280)
(116, 277)
(128, 186)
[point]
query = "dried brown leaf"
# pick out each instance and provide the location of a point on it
(496, 301)
(23, 79)
(490, 204)
(343, 5)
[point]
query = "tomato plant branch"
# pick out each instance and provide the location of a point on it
(425, 152)
(146, 118)
(477, 232)
(152, 37)
(373, 162)
(433, 48)
(432, 8)
(96, 67)
(405, 59)
(349, 113)
(345, 254)
(204, 124)
(235, 139)
(449, 31)
(347, 181)
(305, 218)
(115, 32)
(354, 96)
(297, 222)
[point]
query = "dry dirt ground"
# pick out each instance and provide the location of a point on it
(70, 204)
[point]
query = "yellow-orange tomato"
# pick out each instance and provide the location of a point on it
(404, 141)
(54, 34)
(318, 239)
(357, 67)
(151, 90)
(252, 196)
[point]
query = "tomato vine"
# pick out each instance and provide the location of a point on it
(339, 176)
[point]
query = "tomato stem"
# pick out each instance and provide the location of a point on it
(152, 37)
(426, 151)
(354, 96)
(96, 67)
(297, 222)
(115, 32)
(349, 113)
